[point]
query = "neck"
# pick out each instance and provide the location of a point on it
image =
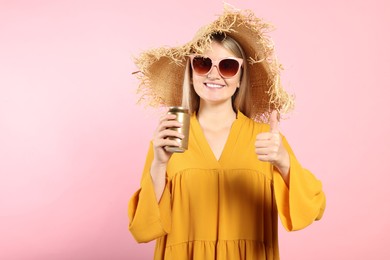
(216, 114)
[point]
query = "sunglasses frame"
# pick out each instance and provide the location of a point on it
(215, 63)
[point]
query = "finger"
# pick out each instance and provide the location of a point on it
(264, 143)
(165, 142)
(261, 151)
(167, 117)
(264, 157)
(274, 122)
(264, 136)
(169, 133)
(168, 124)
(266, 151)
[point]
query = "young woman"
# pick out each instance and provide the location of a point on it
(220, 199)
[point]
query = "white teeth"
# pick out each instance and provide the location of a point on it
(210, 85)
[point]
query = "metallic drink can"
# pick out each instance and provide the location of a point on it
(183, 117)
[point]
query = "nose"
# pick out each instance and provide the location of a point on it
(214, 73)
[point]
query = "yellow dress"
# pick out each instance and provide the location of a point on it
(227, 208)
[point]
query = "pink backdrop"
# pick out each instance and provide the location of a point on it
(73, 140)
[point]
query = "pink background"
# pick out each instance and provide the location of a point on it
(73, 140)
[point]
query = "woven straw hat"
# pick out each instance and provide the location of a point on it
(161, 70)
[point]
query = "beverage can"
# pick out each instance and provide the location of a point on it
(182, 116)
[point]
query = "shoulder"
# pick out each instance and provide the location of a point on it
(250, 124)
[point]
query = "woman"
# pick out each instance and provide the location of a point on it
(220, 198)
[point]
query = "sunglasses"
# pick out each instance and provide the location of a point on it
(227, 67)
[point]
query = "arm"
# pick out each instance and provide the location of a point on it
(159, 165)
(299, 196)
(269, 148)
(149, 218)
(303, 201)
(150, 207)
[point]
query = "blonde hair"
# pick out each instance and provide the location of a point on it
(241, 100)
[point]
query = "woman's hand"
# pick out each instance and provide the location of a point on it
(161, 156)
(269, 147)
(160, 139)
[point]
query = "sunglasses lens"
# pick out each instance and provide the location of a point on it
(201, 65)
(229, 67)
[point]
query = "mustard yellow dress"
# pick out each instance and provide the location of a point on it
(227, 208)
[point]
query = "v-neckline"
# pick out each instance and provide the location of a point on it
(205, 146)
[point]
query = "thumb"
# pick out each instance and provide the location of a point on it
(274, 122)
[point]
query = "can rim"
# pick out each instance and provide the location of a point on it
(177, 109)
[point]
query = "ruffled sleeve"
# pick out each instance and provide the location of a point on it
(303, 201)
(149, 219)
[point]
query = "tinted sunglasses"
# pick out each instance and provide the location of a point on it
(227, 67)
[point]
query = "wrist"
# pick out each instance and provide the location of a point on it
(283, 164)
(158, 170)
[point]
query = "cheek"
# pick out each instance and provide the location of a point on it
(197, 83)
(234, 82)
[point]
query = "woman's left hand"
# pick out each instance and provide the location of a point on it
(269, 147)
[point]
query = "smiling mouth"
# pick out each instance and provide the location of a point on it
(214, 86)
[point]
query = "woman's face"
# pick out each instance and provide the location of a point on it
(213, 88)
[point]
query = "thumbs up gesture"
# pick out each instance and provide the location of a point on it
(269, 146)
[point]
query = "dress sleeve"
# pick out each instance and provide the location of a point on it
(149, 219)
(303, 201)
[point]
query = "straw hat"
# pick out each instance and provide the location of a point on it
(161, 70)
